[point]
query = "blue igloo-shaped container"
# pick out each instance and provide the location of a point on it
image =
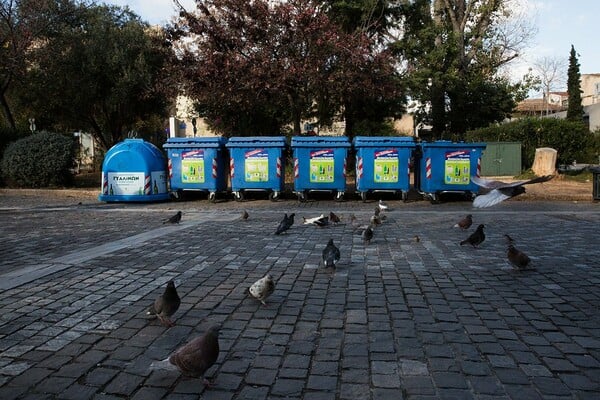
(134, 171)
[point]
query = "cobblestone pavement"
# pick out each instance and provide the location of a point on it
(399, 319)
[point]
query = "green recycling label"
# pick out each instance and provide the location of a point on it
(458, 167)
(322, 166)
(385, 166)
(256, 166)
(192, 166)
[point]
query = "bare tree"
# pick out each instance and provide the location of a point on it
(552, 72)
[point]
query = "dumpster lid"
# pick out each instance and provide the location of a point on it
(253, 141)
(370, 141)
(205, 141)
(454, 145)
(312, 141)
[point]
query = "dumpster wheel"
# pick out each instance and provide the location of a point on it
(274, 195)
(434, 198)
(238, 196)
(212, 197)
(302, 197)
(404, 196)
(339, 196)
(363, 196)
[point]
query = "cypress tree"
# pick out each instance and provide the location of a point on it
(575, 109)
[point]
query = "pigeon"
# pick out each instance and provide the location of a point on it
(175, 219)
(497, 191)
(285, 224)
(375, 220)
(517, 258)
(382, 206)
(322, 222)
(313, 220)
(334, 218)
(166, 305)
(194, 358)
(262, 288)
(417, 239)
(378, 214)
(476, 238)
(465, 223)
(245, 215)
(331, 254)
(367, 235)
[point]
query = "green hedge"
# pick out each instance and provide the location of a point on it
(39, 160)
(572, 140)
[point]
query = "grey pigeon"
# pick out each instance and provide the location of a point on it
(331, 254)
(378, 214)
(498, 191)
(375, 220)
(166, 305)
(517, 258)
(262, 288)
(175, 219)
(194, 358)
(285, 224)
(476, 238)
(245, 215)
(334, 218)
(465, 223)
(367, 235)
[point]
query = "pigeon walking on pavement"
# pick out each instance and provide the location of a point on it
(262, 288)
(367, 235)
(285, 224)
(166, 305)
(175, 219)
(476, 238)
(498, 191)
(333, 218)
(245, 215)
(194, 358)
(517, 258)
(331, 254)
(465, 223)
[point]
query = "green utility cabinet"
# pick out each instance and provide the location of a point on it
(501, 159)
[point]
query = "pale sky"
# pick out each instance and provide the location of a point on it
(559, 23)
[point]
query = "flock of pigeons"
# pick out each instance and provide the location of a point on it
(197, 356)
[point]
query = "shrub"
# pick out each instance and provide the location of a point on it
(572, 140)
(39, 160)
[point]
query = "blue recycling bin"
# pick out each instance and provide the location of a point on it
(197, 164)
(134, 171)
(320, 165)
(383, 164)
(447, 167)
(257, 163)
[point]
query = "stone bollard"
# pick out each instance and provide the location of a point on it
(545, 161)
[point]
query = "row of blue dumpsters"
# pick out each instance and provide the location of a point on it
(135, 170)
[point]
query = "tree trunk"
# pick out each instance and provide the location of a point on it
(6, 111)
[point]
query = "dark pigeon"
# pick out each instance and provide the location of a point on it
(367, 235)
(245, 215)
(334, 218)
(476, 238)
(166, 305)
(285, 224)
(517, 258)
(194, 358)
(495, 192)
(331, 254)
(175, 219)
